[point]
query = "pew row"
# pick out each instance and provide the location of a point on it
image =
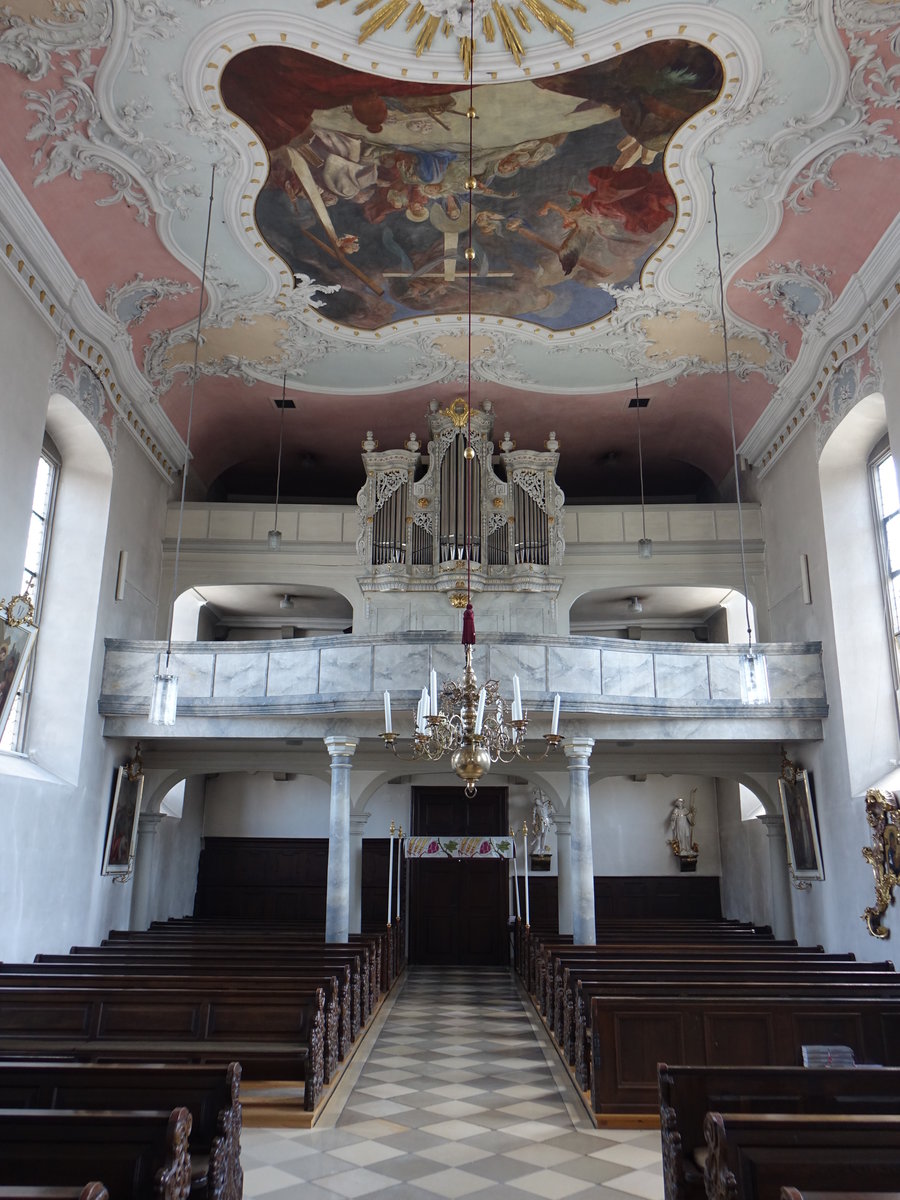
(688, 1093)
(273, 1037)
(211, 1094)
(631, 1034)
(749, 1155)
(140, 1155)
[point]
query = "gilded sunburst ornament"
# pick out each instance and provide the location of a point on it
(511, 20)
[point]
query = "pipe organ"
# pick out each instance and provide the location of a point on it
(426, 518)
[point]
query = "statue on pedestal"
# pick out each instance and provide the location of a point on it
(541, 820)
(681, 830)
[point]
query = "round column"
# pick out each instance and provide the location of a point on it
(144, 869)
(564, 872)
(358, 824)
(337, 897)
(578, 752)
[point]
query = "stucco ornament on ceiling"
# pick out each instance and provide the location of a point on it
(856, 378)
(802, 292)
(133, 301)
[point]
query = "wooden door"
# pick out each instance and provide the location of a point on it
(458, 908)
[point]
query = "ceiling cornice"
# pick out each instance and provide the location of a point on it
(65, 303)
(870, 297)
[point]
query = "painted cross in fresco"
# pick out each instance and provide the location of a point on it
(366, 186)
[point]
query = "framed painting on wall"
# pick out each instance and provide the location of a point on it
(118, 856)
(804, 854)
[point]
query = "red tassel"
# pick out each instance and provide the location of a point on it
(468, 632)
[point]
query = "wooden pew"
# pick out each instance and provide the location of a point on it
(573, 1006)
(285, 987)
(90, 1191)
(242, 943)
(687, 1094)
(272, 1037)
(218, 960)
(211, 1094)
(750, 1155)
(140, 1155)
(632, 1033)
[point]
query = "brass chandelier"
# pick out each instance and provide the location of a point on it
(472, 724)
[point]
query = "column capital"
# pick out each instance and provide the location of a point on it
(578, 747)
(148, 822)
(563, 825)
(341, 747)
(774, 823)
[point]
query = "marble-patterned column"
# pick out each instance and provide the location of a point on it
(564, 872)
(578, 752)
(144, 869)
(337, 896)
(780, 886)
(358, 824)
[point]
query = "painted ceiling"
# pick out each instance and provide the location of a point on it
(339, 219)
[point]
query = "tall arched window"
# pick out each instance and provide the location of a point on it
(33, 576)
(886, 499)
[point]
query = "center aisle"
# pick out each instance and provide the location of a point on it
(456, 1097)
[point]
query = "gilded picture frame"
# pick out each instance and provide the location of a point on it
(801, 830)
(17, 635)
(121, 834)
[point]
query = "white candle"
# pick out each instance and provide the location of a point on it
(479, 715)
(517, 700)
(434, 703)
(388, 727)
(554, 725)
(390, 875)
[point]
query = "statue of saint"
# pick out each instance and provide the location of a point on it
(541, 820)
(681, 827)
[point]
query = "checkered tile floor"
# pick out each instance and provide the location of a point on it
(449, 1098)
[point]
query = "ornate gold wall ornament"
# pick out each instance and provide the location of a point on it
(458, 412)
(883, 856)
(453, 19)
(458, 599)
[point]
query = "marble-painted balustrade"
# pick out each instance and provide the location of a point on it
(310, 686)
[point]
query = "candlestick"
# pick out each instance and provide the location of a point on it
(515, 871)
(525, 841)
(479, 716)
(388, 727)
(554, 724)
(434, 694)
(517, 700)
(399, 867)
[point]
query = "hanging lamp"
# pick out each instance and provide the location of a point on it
(273, 537)
(753, 669)
(645, 544)
(164, 696)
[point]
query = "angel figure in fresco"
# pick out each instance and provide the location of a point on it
(635, 200)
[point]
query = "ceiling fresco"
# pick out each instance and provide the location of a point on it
(339, 220)
(367, 182)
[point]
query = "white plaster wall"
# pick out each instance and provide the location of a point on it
(746, 886)
(790, 495)
(177, 856)
(54, 809)
(243, 805)
(630, 824)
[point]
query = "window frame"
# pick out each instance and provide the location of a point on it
(18, 717)
(890, 595)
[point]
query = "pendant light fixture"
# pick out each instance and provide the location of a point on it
(645, 545)
(754, 673)
(471, 723)
(273, 537)
(164, 696)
